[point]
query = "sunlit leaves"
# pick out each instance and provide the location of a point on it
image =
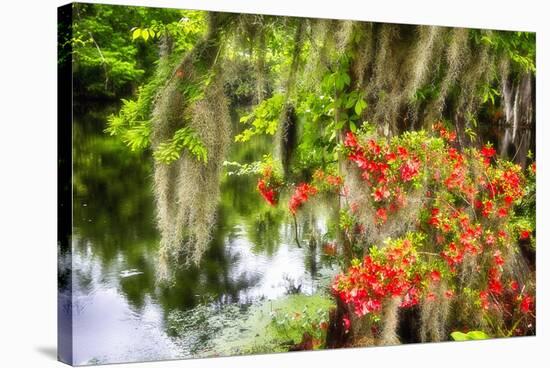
(168, 152)
(146, 33)
(338, 80)
(518, 46)
(472, 335)
(264, 119)
(489, 94)
(136, 33)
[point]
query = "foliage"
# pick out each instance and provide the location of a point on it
(471, 335)
(264, 118)
(391, 272)
(106, 62)
(524, 219)
(301, 316)
(133, 123)
(168, 152)
(518, 46)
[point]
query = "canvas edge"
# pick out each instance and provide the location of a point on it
(64, 185)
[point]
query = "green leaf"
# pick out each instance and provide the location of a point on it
(472, 335)
(347, 79)
(352, 99)
(360, 106)
(136, 34)
(459, 336)
(145, 34)
(352, 126)
(170, 151)
(477, 335)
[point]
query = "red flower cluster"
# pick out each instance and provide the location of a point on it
(525, 304)
(524, 234)
(268, 186)
(267, 193)
(487, 152)
(326, 181)
(409, 170)
(365, 286)
(444, 133)
(469, 202)
(385, 168)
(301, 194)
(464, 237)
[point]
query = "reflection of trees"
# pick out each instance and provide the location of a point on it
(114, 215)
(112, 200)
(112, 203)
(263, 229)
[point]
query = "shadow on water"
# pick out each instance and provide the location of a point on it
(120, 311)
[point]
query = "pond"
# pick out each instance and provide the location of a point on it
(253, 258)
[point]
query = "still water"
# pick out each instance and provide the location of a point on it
(120, 312)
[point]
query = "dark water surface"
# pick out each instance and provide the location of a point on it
(120, 312)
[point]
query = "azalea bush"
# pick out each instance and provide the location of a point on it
(391, 272)
(434, 227)
(469, 243)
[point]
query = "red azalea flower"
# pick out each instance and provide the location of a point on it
(502, 212)
(350, 140)
(268, 194)
(525, 305)
(402, 152)
(434, 220)
(484, 299)
(391, 157)
(524, 234)
(488, 151)
(495, 286)
(410, 169)
(373, 146)
(487, 208)
(301, 194)
(346, 322)
(381, 193)
(435, 275)
(497, 258)
(382, 215)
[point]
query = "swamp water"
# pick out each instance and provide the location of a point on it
(121, 313)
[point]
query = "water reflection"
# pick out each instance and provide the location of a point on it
(120, 312)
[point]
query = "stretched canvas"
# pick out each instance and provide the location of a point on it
(246, 184)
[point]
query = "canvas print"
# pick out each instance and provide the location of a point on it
(246, 184)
